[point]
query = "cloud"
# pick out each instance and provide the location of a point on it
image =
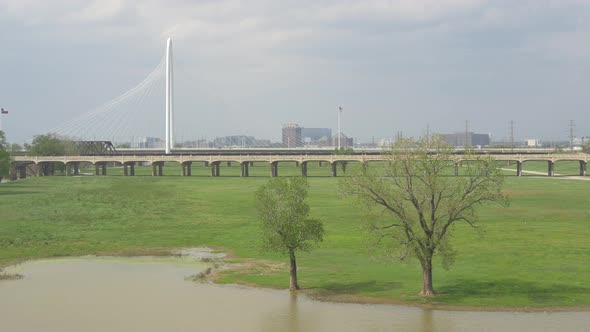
(296, 56)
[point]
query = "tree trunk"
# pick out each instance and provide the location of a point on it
(293, 285)
(427, 289)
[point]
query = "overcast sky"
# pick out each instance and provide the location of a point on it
(247, 67)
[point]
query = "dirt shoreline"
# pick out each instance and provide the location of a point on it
(217, 259)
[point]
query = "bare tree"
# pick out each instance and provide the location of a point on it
(285, 226)
(414, 203)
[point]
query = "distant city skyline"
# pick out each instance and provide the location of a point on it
(248, 68)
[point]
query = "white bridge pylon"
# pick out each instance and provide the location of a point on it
(169, 98)
(134, 117)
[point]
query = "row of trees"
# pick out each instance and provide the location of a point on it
(42, 145)
(4, 157)
(411, 206)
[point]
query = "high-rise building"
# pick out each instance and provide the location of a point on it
(292, 135)
(345, 141)
(467, 139)
(312, 135)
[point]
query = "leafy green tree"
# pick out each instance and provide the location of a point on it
(414, 205)
(4, 157)
(15, 147)
(52, 145)
(343, 151)
(3, 144)
(285, 226)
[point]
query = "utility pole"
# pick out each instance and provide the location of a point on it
(428, 132)
(339, 133)
(511, 136)
(466, 145)
(399, 136)
(572, 135)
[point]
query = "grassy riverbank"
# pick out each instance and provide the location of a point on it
(534, 253)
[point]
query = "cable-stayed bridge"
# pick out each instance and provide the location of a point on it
(144, 117)
(146, 111)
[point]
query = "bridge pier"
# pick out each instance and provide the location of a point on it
(187, 168)
(158, 168)
(215, 168)
(550, 168)
(46, 168)
(100, 169)
(274, 169)
(245, 170)
(22, 172)
(304, 169)
(72, 168)
(518, 168)
(583, 167)
(129, 168)
(334, 166)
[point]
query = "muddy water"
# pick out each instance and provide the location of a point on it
(151, 294)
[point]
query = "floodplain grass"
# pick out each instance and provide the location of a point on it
(532, 254)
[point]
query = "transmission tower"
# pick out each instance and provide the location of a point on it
(511, 136)
(572, 135)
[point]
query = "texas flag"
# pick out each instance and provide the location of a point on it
(4, 112)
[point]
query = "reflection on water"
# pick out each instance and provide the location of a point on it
(151, 294)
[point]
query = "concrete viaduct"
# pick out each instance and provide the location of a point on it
(72, 163)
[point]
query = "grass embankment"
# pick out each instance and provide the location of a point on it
(534, 253)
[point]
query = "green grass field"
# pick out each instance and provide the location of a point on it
(535, 253)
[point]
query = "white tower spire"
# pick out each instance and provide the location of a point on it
(169, 98)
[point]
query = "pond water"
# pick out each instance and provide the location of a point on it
(152, 294)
